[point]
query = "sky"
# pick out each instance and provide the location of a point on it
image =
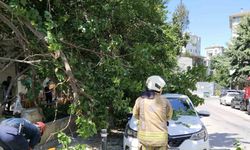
(209, 19)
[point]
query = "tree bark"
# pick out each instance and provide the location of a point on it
(72, 80)
(20, 61)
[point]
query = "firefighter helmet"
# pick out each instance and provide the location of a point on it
(155, 83)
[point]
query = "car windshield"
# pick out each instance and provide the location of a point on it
(239, 96)
(233, 94)
(181, 106)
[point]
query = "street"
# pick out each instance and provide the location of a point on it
(226, 125)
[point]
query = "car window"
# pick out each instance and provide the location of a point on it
(239, 96)
(181, 106)
(223, 94)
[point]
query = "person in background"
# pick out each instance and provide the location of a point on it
(153, 111)
(7, 96)
(20, 134)
(48, 91)
(48, 95)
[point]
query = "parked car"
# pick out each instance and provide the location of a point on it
(237, 101)
(226, 100)
(224, 92)
(185, 130)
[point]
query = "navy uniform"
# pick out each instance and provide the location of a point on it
(18, 134)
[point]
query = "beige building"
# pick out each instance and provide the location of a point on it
(235, 19)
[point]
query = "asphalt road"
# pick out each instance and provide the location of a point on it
(226, 125)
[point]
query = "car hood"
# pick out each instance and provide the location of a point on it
(229, 97)
(182, 125)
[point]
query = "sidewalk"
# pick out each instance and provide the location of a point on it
(114, 142)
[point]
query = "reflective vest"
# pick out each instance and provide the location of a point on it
(153, 114)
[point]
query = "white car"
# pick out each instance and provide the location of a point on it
(185, 130)
(227, 99)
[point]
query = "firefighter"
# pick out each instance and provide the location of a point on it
(153, 111)
(20, 134)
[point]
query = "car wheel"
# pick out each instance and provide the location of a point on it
(242, 107)
(232, 105)
(220, 102)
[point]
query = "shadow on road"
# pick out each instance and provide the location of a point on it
(222, 139)
(225, 140)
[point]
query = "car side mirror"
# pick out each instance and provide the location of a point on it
(203, 113)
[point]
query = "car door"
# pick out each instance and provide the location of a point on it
(237, 100)
(222, 100)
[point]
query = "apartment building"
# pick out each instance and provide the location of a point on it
(215, 50)
(212, 51)
(191, 54)
(234, 21)
(193, 46)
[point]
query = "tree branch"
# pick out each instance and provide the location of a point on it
(3, 5)
(35, 55)
(54, 133)
(38, 34)
(85, 49)
(20, 37)
(6, 66)
(21, 61)
(71, 78)
(72, 82)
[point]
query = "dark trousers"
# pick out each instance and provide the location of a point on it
(11, 140)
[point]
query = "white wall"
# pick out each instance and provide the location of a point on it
(184, 63)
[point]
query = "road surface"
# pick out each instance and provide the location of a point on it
(226, 125)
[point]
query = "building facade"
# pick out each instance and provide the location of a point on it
(207, 89)
(212, 51)
(234, 21)
(193, 46)
(191, 54)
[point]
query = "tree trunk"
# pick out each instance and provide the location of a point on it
(71, 78)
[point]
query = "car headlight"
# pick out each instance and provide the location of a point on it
(130, 132)
(202, 134)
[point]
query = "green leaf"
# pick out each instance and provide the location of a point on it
(23, 2)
